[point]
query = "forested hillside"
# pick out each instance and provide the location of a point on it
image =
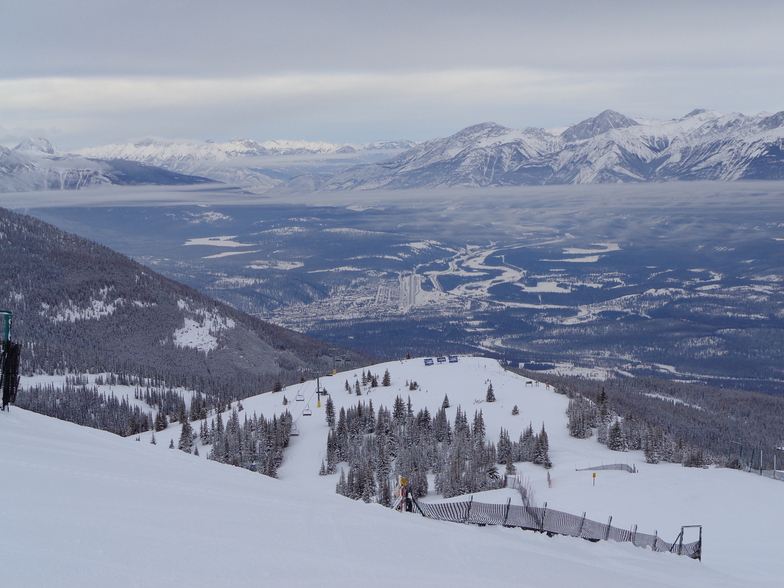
(693, 424)
(80, 307)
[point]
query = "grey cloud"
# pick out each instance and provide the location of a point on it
(644, 59)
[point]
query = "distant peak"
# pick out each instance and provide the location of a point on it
(40, 144)
(601, 123)
(695, 112)
(482, 129)
(149, 142)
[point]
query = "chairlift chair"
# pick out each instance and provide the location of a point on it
(307, 411)
(300, 397)
(294, 431)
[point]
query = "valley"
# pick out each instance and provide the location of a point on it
(676, 280)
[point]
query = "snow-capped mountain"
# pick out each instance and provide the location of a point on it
(608, 148)
(35, 164)
(239, 161)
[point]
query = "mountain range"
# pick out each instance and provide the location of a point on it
(244, 162)
(35, 164)
(608, 148)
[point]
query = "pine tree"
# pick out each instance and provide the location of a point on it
(387, 381)
(541, 450)
(479, 428)
(340, 488)
(160, 421)
(654, 445)
(186, 437)
(615, 440)
(511, 470)
(490, 396)
(330, 412)
(515, 410)
(445, 403)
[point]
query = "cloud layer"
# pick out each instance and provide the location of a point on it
(93, 71)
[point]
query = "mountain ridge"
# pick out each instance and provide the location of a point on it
(36, 165)
(608, 148)
(80, 306)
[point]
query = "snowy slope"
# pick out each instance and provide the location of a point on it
(87, 508)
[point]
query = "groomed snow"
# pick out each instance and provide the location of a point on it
(86, 508)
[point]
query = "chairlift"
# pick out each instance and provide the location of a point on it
(294, 431)
(300, 397)
(307, 411)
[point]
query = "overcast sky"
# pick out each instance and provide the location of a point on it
(91, 72)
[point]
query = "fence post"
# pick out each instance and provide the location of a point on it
(655, 539)
(468, 512)
(633, 534)
(506, 514)
(582, 523)
(675, 543)
(607, 533)
(419, 508)
(544, 514)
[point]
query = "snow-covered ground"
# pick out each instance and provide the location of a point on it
(87, 508)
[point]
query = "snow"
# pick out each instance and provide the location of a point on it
(229, 254)
(275, 264)
(549, 287)
(222, 241)
(584, 259)
(201, 330)
(605, 248)
(86, 508)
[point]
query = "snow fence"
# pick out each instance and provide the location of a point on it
(552, 522)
